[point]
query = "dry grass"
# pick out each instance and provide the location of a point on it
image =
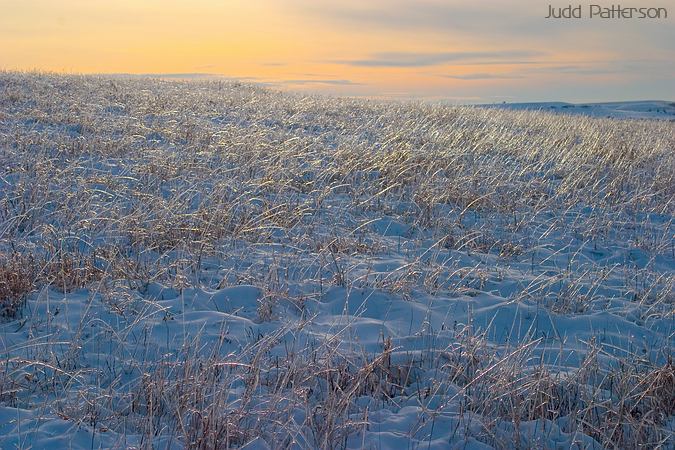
(118, 185)
(16, 282)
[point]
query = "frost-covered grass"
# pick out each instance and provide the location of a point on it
(212, 265)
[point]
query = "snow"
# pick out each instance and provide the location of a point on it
(329, 307)
(618, 110)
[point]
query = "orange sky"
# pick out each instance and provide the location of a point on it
(396, 48)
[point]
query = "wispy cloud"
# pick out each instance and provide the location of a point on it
(400, 59)
(483, 76)
(543, 68)
(425, 15)
(521, 72)
(333, 82)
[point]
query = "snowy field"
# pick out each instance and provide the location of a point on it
(213, 265)
(616, 110)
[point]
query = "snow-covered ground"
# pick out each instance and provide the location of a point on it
(618, 110)
(214, 265)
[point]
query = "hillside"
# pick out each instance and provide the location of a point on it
(211, 264)
(616, 110)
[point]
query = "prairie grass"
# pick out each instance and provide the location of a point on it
(128, 205)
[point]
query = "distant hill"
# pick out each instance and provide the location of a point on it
(651, 109)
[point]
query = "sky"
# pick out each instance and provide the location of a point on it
(463, 51)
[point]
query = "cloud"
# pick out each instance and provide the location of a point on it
(566, 68)
(483, 76)
(398, 59)
(573, 69)
(494, 23)
(499, 63)
(607, 67)
(407, 15)
(333, 82)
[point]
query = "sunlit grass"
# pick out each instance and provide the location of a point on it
(116, 186)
